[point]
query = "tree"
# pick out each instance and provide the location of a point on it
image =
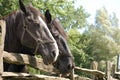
(78, 42)
(114, 20)
(6, 6)
(103, 37)
(63, 9)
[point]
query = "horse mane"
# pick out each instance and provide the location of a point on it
(57, 24)
(4, 17)
(35, 11)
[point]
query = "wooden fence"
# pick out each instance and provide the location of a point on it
(36, 63)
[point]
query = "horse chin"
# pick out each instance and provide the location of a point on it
(47, 59)
(59, 68)
(63, 68)
(63, 71)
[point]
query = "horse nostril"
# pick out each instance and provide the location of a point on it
(73, 66)
(53, 53)
(69, 66)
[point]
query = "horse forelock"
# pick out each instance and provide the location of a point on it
(34, 11)
(57, 24)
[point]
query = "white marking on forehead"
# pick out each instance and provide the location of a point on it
(41, 20)
(44, 24)
(55, 44)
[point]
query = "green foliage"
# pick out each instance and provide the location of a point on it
(7, 6)
(103, 37)
(63, 9)
(35, 71)
(78, 43)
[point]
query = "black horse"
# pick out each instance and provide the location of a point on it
(27, 33)
(65, 61)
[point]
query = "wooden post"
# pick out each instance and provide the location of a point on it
(108, 70)
(3, 29)
(118, 62)
(113, 70)
(94, 66)
(72, 75)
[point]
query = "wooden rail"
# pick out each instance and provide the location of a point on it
(38, 63)
(25, 76)
(33, 62)
(89, 71)
(26, 60)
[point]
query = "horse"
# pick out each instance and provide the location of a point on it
(27, 33)
(65, 61)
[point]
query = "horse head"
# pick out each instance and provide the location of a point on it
(33, 33)
(65, 62)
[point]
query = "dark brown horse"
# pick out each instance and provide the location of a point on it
(65, 62)
(27, 33)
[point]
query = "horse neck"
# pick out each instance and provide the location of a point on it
(11, 42)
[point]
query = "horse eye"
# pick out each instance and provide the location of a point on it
(56, 36)
(29, 18)
(37, 24)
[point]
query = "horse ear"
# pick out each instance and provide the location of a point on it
(48, 16)
(22, 6)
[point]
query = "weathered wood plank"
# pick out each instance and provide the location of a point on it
(89, 71)
(25, 76)
(72, 75)
(38, 63)
(3, 28)
(26, 60)
(94, 66)
(77, 77)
